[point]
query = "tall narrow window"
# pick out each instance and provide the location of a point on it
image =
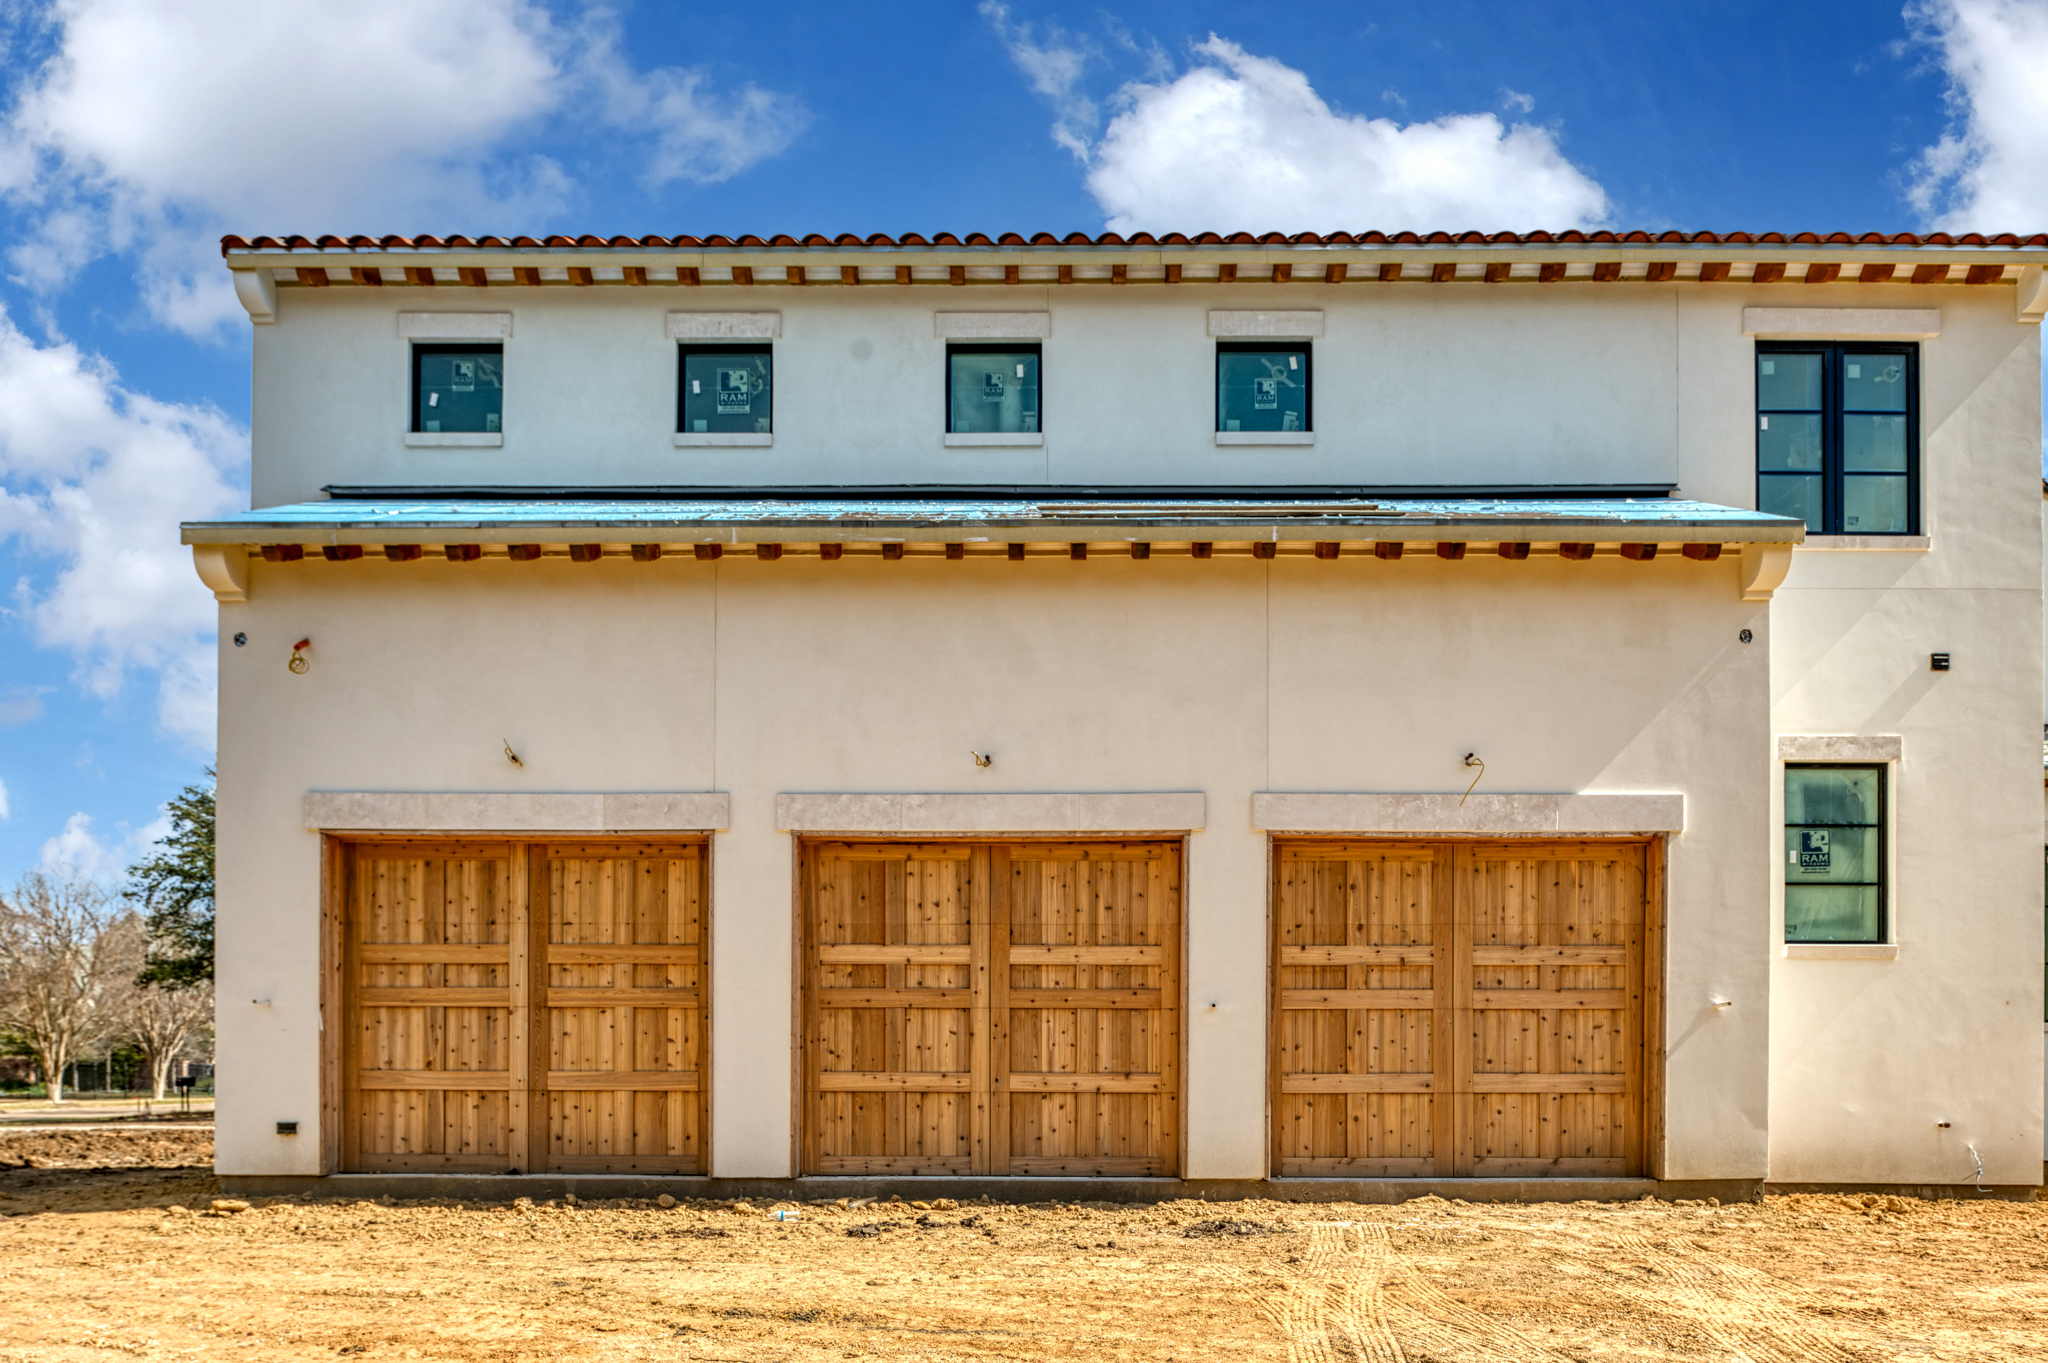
(992, 389)
(1262, 386)
(1837, 436)
(727, 390)
(1834, 854)
(458, 388)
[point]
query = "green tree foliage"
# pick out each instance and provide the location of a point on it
(174, 888)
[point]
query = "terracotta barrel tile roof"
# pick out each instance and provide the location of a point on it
(981, 239)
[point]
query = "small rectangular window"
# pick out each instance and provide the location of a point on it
(1837, 436)
(458, 388)
(1262, 386)
(992, 389)
(727, 389)
(1834, 854)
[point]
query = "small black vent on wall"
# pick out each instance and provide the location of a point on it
(287, 1128)
(1937, 662)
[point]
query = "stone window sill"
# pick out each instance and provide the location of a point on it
(454, 439)
(984, 439)
(1841, 951)
(728, 439)
(1896, 544)
(1265, 437)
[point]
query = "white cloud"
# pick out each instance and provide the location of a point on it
(4, 815)
(22, 704)
(78, 851)
(1986, 172)
(98, 478)
(153, 128)
(1054, 67)
(700, 135)
(1244, 142)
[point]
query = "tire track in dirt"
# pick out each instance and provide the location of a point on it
(1433, 1321)
(1334, 1310)
(1742, 1308)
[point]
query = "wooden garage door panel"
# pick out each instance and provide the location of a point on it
(899, 1051)
(623, 981)
(1468, 1009)
(427, 925)
(1091, 1042)
(1356, 956)
(516, 1007)
(1557, 992)
(932, 1049)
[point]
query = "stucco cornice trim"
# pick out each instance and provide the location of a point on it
(1336, 812)
(1867, 324)
(1840, 747)
(402, 811)
(946, 812)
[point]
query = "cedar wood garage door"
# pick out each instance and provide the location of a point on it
(520, 1007)
(1460, 1009)
(991, 1007)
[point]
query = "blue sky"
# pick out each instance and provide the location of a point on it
(135, 133)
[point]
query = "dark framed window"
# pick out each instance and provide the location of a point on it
(458, 388)
(1838, 436)
(1834, 853)
(1263, 386)
(725, 390)
(993, 389)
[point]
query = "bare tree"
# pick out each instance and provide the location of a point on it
(163, 1021)
(69, 952)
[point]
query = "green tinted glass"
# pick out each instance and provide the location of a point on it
(990, 391)
(1788, 444)
(1788, 383)
(1831, 913)
(1262, 390)
(727, 393)
(1795, 495)
(1873, 383)
(458, 389)
(1874, 505)
(1841, 796)
(1873, 444)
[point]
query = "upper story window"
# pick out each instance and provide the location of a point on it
(727, 390)
(992, 389)
(1262, 386)
(458, 388)
(1837, 438)
(1834, 854)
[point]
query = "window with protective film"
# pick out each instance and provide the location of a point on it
(993, 389)
(458, 389)
(1834, 854)
(1262, 386)
(1837, 436)
(727, 390)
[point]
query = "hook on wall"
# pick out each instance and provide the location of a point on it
(300, 662)
(511, 756)
(982, 759)
(1472, 760)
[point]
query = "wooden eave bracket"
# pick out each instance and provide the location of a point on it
(224, 568)
(2033, 294)
(1763, 569)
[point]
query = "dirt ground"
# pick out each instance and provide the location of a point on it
(109, 1244)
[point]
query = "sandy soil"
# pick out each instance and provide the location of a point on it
(110, 1255)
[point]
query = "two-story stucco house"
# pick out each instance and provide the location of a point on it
(1544, 715)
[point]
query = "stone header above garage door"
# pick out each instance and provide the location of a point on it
(941, 812)
(379, 811)
(1336, 812)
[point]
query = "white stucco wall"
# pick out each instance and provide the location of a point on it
(1224, 677)
(1870, 1057)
